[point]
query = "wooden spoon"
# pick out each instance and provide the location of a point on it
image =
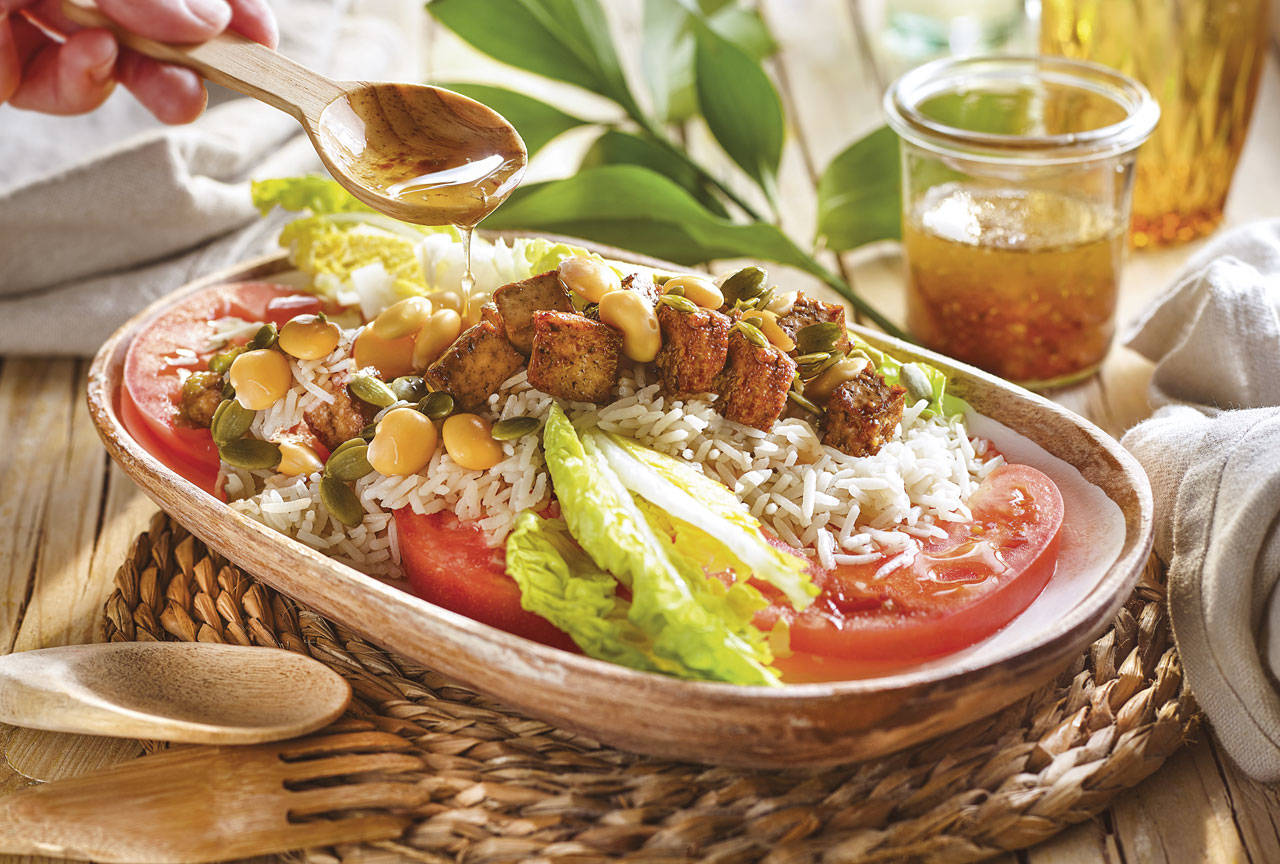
(420, 154)
(171, 691)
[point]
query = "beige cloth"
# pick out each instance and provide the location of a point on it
(101, 214)
(1213, 456)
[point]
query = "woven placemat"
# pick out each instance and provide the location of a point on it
(507, 788)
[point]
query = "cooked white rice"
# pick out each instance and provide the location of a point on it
(841, 509)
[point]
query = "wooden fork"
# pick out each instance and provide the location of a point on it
(200, 804)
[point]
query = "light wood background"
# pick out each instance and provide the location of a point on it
(69, 515)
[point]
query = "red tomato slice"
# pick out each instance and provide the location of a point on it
(959, 590)
(448, 564)
(154, 369)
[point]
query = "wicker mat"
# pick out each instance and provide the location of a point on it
(507, 788)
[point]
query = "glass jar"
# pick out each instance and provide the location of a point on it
(1202, 59)
(1017, 175)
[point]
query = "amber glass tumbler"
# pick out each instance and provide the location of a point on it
(1201, 60)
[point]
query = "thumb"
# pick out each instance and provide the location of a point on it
(170, 20)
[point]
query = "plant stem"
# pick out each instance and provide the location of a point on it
(846, 291)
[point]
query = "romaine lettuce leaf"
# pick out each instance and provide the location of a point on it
(942, 403)
(331, 247)
(673, 602)
(559, 582)
(313, 193)
(689, 496)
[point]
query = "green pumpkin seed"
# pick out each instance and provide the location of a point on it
(228, 392)
(803, 402)
(437, 406)
(347, 445)
(814, 358)
(916, 382)
(250, 454)
(513, 428)
(676, 291)
(341, 502)
(680, 304)
(265, 337)
(762, 301)
(752, 334)
(813, 370)
(409, 388)
(822, 336)
(219, 363)
(755, 319)
(366, 388)
(743, 285)
(230, 421)
(367, 433)
(349, 463)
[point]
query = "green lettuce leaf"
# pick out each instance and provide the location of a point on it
(318, 195)
(940, 403)
(559, 582)
(331, 247)
(687, 615)
(690, 496)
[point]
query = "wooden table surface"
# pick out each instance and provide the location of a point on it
(70, 515)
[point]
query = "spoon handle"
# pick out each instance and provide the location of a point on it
(230, 60)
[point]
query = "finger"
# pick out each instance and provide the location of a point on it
(254, 20)
(71, 78)
(173, 94)
(180, 21)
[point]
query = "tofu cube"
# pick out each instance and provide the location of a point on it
(517, 302)
(695, 346)
(475, 365)
(574, 357)
(754, 382)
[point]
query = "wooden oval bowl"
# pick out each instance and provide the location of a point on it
(795, 725)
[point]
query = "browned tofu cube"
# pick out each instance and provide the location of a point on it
(642, 285)
(474, 366)
(754, 382)
(574, 357)
(340, 420)
(808, 311)
(517, 302)
(862, 413)
(489, 312)
(695, 346)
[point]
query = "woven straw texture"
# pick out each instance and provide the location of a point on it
(507, 788)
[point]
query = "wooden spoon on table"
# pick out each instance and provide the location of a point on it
(171, 691)
(420, 154)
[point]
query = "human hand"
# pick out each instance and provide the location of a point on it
(76, 75)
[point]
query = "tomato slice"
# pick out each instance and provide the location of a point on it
(448, 564)
(957, 591)
(169, 348)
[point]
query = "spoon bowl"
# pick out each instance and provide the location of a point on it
(192, 692)
(417, 153)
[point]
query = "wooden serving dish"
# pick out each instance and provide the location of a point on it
(795, 725)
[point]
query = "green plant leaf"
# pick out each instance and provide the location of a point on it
(536, 121)
(623, 148)
(563, 39)
(740, 104)
(667, 52)
(859, 195)
(636, 208)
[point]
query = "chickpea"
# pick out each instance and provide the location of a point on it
(440, 331)
(308, 337)
(769, 327)
(820, 389)
(627, 311)
(260, 377)
(391, 357)
(401, 319)
(404, 443)
(469, 442)
(297, 458)
(781, 302)
(699, 289)
(589, 278)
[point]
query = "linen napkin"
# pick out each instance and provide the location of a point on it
(103, 213)
(1213, 455)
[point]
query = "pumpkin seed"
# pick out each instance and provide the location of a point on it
(265, 337)
(250, 454)
(221, 362)
(367, 433)
(811, 359)
(916, 382)
(349, 463)
(761, 301)
(752, 334)
(366, 388)
(341, 502)
(744, 284)
(230, 421)
(755, 319)
(679, 303)
(437, 406)
(409, 388)
(803, 402)
(347, 445)
(822, 336)
(513, 428)
(813, 370)
(675, 291)
(228, 392)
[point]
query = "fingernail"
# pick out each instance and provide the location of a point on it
(215, 13)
